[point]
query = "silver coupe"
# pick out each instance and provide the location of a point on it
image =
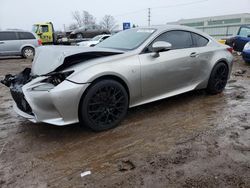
(96, 86)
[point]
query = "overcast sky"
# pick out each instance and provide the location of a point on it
(24, 13)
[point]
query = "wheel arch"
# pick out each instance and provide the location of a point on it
(104, 77)
(27, 45)
(204, 83)
(222, 60)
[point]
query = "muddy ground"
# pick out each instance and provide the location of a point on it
(192, 140)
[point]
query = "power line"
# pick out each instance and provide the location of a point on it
(165, 7)
(132, 12)
(182, 4)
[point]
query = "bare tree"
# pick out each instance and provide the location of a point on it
(77, 17)
(108, 22)
(73, 26)
(88, 19)
(84, 18)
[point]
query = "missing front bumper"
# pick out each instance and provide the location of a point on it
(56, 105)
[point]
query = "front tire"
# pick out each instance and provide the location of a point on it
(28, 52)
(104, 105)
(218, 78)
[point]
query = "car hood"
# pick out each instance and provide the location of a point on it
(56, 58)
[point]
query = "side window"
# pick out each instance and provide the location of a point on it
(178, 39)
(199, 41)
(26, 35)
(8, 36)
(45, 28)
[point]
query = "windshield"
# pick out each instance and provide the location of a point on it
(127, 40)
(244, 32)
(34, 28)
(96, 38)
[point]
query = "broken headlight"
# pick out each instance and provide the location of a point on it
(56, 78)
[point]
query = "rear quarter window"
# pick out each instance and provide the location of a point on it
(199, 41)
(26, 36)
(8, 36)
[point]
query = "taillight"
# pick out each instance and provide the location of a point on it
(39, 42)
(230, 50)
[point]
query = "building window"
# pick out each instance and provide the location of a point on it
(227, 21)
(247, 20)
(195, 24)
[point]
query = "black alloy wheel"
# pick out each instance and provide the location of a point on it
(218, 78)
(104, 105)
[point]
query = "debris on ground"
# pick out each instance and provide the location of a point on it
(85, 173)
(239, 72)
(126, 165)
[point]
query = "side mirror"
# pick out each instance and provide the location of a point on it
(160, 46)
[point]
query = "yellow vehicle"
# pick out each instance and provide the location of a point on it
(45, 31)
(222, 41)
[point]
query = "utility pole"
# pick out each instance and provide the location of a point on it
(64, 28)
(149, 16)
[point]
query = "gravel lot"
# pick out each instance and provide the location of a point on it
(192, 140)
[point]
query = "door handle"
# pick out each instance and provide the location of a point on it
(194, 54)
(1, 42)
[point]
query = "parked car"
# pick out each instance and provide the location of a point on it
(17, 42)
(96, 86)
(246, 53)
(88, 32)
(94, 41)
(238, 42)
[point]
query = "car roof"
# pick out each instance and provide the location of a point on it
(167, 27)
(162, 28)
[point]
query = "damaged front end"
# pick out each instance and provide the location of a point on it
(45, 93)
(45, 98)
(15, 83)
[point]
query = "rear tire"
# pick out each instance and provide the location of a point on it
(28, 52)
(218, 78)
(104, 105)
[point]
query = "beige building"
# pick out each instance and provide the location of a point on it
(218, 26)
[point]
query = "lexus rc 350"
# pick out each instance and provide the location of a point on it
(96, 86)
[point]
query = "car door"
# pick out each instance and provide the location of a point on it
(27, 38)
(172, 72)
(9, 43)
(90, 32)
(201, 67)
(45, 33)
